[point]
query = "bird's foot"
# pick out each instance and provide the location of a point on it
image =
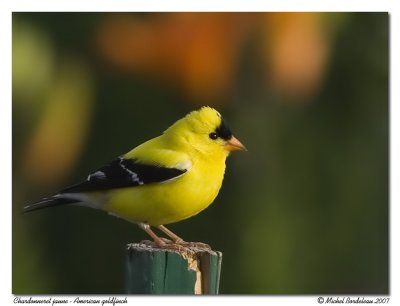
(180, 246)
(157, 244)
(197, 245)
(165, 244)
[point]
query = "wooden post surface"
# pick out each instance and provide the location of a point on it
(187, 270)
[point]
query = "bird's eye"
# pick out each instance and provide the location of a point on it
(213, 135)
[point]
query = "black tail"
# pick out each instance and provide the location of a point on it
(49, 202)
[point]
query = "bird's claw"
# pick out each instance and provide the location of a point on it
(165, 243)
(197, 245)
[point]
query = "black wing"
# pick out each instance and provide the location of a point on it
(124, 173)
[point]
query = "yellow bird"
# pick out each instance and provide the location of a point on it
(167, 179)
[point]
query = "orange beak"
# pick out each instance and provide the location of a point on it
(234, 144)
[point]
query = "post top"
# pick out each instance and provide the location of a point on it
(187, 248)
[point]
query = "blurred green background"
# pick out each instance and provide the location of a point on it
(304, 211)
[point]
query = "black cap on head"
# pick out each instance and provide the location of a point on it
(223, 130)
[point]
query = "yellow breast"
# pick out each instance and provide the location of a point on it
(171, 201)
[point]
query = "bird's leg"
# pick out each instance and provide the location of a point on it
(179, 243)
(175, 238)
(157, 240)
(178, 240)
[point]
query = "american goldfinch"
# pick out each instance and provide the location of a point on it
(164, 180)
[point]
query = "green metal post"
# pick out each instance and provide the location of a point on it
(190, 270)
